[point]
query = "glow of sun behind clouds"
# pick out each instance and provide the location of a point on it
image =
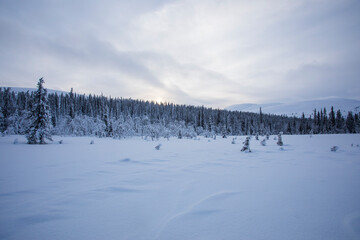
(159, 100)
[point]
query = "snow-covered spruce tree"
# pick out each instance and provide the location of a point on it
(224, 132)
(280, 142)
(179, 135)
(2, 122)
(350, 123)
(39, 128)
(246, 146)
(167, 134)
(6, 106)
(108, 124)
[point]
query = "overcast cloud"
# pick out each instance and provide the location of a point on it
(201, 52)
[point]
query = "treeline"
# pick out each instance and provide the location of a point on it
(85, 115)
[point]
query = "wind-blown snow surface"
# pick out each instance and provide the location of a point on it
(189, 189)
(297, 108)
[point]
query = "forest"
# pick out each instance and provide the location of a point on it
(74, 114)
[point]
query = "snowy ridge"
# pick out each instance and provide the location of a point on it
(20, 89)
(297, 108)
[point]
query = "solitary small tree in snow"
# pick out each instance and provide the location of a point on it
(246, 146)
(334, 148)
(39, 128)
(280, 142)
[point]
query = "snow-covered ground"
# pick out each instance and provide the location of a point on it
(189, 189)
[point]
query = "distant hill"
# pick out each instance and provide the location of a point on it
(18, 89)
(297, 108)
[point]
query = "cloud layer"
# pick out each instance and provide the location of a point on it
(213, 53)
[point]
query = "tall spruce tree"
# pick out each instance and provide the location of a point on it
(5, 110)
(350, 123)
(71, 104)
(339, 120)
(39, 128)
(2, 122)
(357, 122)
(332, 119)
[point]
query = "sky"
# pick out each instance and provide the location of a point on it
(200, 52)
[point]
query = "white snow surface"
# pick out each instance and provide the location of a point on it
(297, 108)
(189, 189)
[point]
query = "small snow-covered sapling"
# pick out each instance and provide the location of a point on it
(233, 141)
(263, 142)
(257, 136)
(16, 141)
(334, 148)
(158, 146)
(92, 142)
(61, 141)
(246, 146)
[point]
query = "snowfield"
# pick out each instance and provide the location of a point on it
(189, 189)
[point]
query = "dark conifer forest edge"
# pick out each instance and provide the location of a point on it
(91, 115)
